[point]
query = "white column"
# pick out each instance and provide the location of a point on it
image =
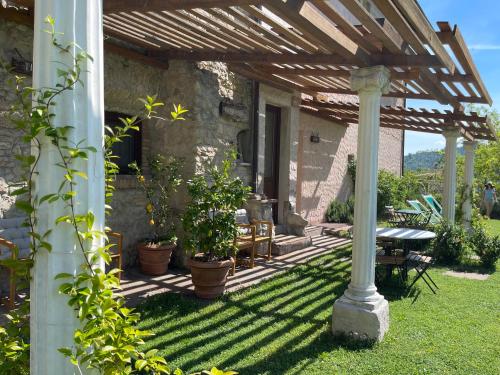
(469, 148)
(450, 174)
(362, 310)
(52, 320)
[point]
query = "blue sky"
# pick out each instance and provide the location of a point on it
(479, 22)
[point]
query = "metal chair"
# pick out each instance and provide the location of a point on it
(421, 263)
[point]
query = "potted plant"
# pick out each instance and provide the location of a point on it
(156, 250)
(210, 225)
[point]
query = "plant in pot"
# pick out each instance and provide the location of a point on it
(156, 250)
(210, 225)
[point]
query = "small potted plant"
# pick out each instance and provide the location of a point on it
(210, 225)
(156, 250)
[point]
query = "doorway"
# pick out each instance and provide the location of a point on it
(272, 155)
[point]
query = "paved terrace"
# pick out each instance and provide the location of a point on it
(137, 287)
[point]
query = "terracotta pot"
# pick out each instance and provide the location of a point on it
(209, 278)
(154, 260)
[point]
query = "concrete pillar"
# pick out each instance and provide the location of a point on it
(469, 148)
(362, 311)
(450, 174)
(52, 320)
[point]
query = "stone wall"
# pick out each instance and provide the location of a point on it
(205, 134)
(323, 166)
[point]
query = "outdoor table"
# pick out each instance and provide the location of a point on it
(404, 234)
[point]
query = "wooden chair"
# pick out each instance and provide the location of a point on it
(12, 275)
(116, 256)
(250, 240)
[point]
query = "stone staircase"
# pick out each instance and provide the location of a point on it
(285, 244)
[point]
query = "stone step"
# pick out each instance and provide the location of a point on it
(287, 244)
(314, 230)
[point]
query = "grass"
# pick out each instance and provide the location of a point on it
(493, 227)
(282, 326)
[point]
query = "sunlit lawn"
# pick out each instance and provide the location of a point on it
(282, 326)
(493, 226)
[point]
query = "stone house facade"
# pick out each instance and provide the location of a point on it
(225, 110)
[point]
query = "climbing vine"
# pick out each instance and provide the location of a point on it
(107, 340)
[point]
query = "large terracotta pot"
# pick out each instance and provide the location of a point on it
(154, 259)
(209, 278)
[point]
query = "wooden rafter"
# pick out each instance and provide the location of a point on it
(472, 126)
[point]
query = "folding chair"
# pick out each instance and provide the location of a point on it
(421, 264)
(391, 261)
(417, 205)
(433, 205)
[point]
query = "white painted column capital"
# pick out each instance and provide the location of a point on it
(469, 148)
(376, 78)
(450, 173)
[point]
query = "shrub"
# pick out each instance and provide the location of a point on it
(341, 212)
(485, 247)
(209, 219)
(450, 244)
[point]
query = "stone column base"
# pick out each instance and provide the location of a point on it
(361, 320)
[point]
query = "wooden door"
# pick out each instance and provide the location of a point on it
(272, 155)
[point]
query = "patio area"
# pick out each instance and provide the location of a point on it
(138, 287)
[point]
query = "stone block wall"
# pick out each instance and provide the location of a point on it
(323, 173)
(204, 136)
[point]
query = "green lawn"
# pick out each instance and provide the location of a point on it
(493, 226)
(282, 326)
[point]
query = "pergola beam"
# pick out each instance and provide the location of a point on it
(415, 16)
(402, 61)
(113, 6)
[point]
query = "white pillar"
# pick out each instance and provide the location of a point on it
(450, 174)
(362, 310)
(469, 148)
(52, 320)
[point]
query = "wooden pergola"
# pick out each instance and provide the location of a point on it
(311, 47)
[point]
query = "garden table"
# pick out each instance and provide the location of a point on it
(403, 235)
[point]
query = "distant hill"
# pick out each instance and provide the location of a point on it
(425, 159)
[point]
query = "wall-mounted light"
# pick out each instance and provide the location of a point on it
(20, 65)
(315, 138)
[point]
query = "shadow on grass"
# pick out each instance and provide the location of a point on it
(269, 328)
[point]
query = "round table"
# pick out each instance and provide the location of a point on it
(404, 234)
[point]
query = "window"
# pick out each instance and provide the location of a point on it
(129, 150)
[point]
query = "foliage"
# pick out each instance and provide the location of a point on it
(209, 219)
(486, 247)
(450, 245)
(14, 343)
(423, 160)
(341, 212)
(108, 341)
(165, 178)
(281, 326)
(394, 191)
(351, 170)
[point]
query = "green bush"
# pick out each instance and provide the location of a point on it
(394, 191)
(450, 245)
(341, 212)
(487, 248)
(495, 214)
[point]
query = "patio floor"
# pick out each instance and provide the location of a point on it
(137, 287)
